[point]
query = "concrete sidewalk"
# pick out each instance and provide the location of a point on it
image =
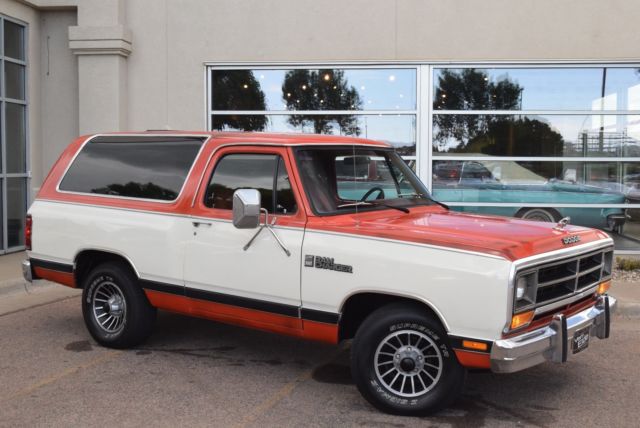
(628, 295)
(12, 285)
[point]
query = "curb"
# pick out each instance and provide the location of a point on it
(19, 285)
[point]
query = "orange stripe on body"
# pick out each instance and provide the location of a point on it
(474, 360)
(64, 278)
(244, 317)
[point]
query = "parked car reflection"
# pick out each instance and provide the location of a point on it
(509, 182)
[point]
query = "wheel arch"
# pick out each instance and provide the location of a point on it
(355, 308)
(87, 258)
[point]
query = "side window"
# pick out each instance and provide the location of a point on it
(134, 167)
(251, 171)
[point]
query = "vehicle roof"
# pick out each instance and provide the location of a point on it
(285, 139)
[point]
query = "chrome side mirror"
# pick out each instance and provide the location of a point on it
(246, 208)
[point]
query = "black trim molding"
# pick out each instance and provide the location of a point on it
(319, 316)
(243, 302)
(161, 286)
(44, 264)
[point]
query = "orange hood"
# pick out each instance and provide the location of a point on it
(501, 236)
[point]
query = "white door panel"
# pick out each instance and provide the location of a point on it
(215, 261)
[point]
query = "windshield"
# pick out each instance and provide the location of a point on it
(346, 179)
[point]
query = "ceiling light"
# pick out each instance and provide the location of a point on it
(304, 87)
(327, 77)
(392, 78)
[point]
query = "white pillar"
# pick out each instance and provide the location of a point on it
(102, 43)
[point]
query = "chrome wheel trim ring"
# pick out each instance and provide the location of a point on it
(539, 215)
(408, 363)
(109, 307)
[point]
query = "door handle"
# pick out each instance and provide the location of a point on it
(201, 223)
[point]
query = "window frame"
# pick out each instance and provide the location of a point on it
(209, 67)
(4, 175)
(424, 105)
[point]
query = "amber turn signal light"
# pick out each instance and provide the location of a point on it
(604, 287)
(521, 320)
(478, 346)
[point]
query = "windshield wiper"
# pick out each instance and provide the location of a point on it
(373, 204)
(418, 195)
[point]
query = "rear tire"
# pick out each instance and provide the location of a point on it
(402, 362)
(539, 214)
(115, 308)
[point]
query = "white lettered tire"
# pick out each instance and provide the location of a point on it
(402, 362)
(115, 308)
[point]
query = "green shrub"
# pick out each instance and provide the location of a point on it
(627, 264)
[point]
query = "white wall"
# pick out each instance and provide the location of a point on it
(172, 39)
(59, 85)
(161, 82)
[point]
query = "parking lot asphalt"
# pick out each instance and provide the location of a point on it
(199, 373)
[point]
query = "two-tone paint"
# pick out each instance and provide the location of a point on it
(190, 258)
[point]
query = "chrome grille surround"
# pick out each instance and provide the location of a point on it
(566, 279)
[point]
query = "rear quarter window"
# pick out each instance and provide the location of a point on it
(137, 167)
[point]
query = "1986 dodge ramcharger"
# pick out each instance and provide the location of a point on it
(320, 237)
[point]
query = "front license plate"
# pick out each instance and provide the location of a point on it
(580, 340)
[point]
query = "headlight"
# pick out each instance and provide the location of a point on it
(525, 290)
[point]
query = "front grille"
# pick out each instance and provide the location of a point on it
(558, 280)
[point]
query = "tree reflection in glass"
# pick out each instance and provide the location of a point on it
(238, 90)
(326, 89)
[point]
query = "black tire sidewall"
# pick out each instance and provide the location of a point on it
(139, 315)
(369, 336)
(95, 279)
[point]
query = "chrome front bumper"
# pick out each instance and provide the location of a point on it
(551, 343)
(26, 270)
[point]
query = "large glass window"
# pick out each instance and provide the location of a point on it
(144, 167)
(14, 173)
(540, 143)
(375, 103)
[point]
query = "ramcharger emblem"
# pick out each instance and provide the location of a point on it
(571, 239)
(326, 263)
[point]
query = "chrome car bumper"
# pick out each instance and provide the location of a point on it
(554, 342)
(26, 270)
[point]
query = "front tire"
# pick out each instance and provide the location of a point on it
(403, 364)
(115, 308)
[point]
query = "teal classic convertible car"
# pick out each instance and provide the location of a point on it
(509, 182)
(533, 196)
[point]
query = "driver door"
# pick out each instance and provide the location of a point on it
(217, 268)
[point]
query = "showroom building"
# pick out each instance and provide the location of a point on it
(528, 109)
